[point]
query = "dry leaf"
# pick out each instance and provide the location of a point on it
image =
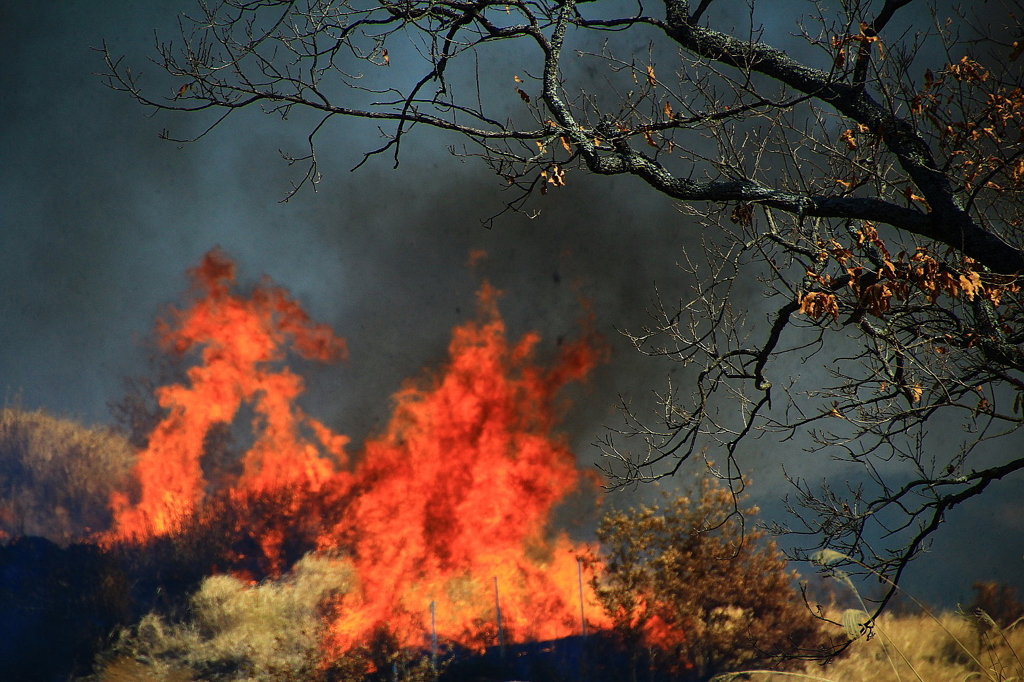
(970, 284)
(876, 298)
(817, 303)
(743, 214)
(848, 138)
(839, 45)
(553, 175)
(651, 80)
(909, 193)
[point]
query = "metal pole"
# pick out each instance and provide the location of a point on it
(497, 608)
(583, 615)
(433, 635)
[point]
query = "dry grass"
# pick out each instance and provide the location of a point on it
(56, 475)
(265, 632)
(943, 648)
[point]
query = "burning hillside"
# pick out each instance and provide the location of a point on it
(247, 540)
(441, 513)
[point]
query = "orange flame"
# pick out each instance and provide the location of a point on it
(448, 507)
(459, 491)
(241, 339)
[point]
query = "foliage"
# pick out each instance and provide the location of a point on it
(692, 580)
(263, 632)
(56, 476)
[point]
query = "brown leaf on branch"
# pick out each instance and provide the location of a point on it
(848, 138)
(876, 298)
(839, 45)
(970, 284)
(553, 175)
(823, 280)
(814, 304)
(743, 214)
(911, 195)
(968, 70)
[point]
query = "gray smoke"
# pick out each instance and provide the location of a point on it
(100, 220)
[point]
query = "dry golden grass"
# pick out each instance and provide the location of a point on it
(267, 632)
(56, 475)
(922, 648)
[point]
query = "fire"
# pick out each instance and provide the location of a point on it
(241, 341)
(444, 514)
(459, 490)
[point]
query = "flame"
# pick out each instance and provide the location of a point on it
(459, 489)
(445, 514)
(241, 340)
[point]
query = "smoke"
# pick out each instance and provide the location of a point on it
(101, 219)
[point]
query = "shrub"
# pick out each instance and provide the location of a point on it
(695, 581)
(999, 601)
(56, 476)
(267, 632)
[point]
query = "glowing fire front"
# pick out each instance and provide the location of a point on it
(450, 500)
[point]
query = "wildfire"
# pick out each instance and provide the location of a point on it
(241, 340)
(444, 515)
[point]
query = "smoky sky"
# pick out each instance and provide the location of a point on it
(100, 219)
